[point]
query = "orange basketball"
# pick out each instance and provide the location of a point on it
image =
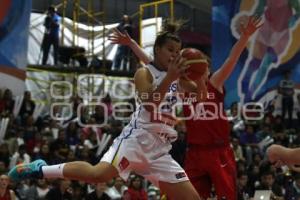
(197, 62)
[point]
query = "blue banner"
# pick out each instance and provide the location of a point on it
(14, 31)
(272, 51)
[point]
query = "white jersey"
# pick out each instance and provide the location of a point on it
(163, 120)
(144, 144)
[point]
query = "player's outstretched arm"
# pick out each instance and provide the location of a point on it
(124, 39)
(222, 74)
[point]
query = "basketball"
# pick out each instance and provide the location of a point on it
(197, 62)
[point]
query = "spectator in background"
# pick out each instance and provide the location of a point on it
(268, 183)
(117, 190)
(3, 168)
(38, 190)
(59, 147)
(108, 102)
(30, 134)
(51, 35)
(286, 89)
(264, 131)
(27, 107)
(16, 138)
(61, 191)
(78, 190)
(123, 52)
(72, 133)
(244, 191)
(20, 157)
(44, 153)
(4, 154)
(278, 126)
(237, 150)
(5, 192)
(7, 103)
(135, 189)
(99, 193)
(249, 140)
(269, 117)
(153, 193)
(293, 190)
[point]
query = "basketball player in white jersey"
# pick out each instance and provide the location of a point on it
(144, 144)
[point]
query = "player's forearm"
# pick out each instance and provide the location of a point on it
(226, 69)
(237, 50)
(139, 52)
(156, 96)
(201, 90)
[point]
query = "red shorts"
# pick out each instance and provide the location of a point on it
(213, 166)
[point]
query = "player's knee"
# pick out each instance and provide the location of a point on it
(100, 173)
(273, 151)
(93, 175)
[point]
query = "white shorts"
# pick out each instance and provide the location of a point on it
(145, 154)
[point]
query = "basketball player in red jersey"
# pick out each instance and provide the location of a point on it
(209, 159)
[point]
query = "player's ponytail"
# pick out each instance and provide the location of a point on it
(172, 26)
(169, 31)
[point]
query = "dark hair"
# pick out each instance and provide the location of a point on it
(170, 30)
(129, 19)
(296, 176)
(136, 177)
(267, 173)
(51, 9)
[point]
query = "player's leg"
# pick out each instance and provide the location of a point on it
(169, 176)
(77, 170)
(203, 185)
(223, 175)
(283, 154)
(194, 169)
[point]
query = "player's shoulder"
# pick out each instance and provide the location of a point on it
(144, 74)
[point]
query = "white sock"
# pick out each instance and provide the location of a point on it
(53, 171)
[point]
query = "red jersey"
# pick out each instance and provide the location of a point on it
(137, 195)
(209, 125)
(6, 195)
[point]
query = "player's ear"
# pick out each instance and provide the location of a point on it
(156, 49)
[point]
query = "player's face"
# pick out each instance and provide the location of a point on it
(167, 52)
